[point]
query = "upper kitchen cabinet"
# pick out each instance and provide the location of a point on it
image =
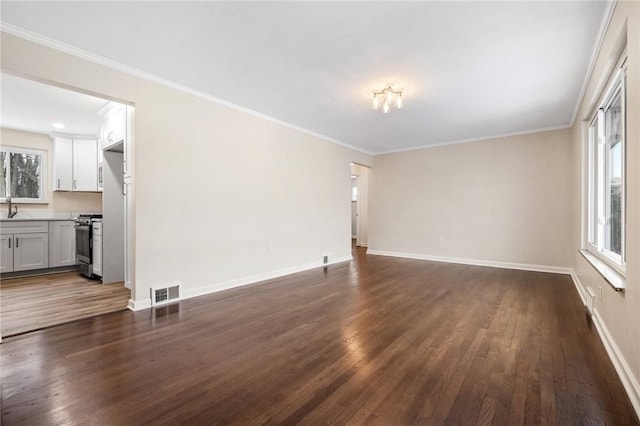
(75, 164)
(116, 134)
(114, 124)
(85, 165)
(63, 164)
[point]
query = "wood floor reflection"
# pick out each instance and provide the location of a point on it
(379, 340)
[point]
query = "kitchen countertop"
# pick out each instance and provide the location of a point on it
(36, 219)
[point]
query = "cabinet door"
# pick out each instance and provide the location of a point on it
(6, 253)
(85, 165)
(30, 251)
(115, 125)
(97, 255)
(62, 243)
(100, 169)
(62, 164)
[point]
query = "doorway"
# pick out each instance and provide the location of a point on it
(67, 130)
(359, 205)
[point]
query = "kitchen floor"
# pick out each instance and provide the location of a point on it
(33, 303)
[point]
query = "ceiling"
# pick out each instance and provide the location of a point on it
(469, 70)
(34, 107)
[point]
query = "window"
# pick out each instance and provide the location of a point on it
(606, 185)
(22, 174)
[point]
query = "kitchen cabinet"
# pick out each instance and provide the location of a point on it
(85, 165)
(100, 170)
(63, 164)
(6, 253)
(117, 197)
(62, 243)
(96, 230)
(75, 164)
(114, 124)
(30, 251)
(25, 246)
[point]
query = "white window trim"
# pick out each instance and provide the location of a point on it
(44, 184)
(612, 260)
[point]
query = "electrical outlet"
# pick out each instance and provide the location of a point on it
(325, 259)
(600, 293)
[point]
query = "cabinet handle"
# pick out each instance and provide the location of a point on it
(124, 189)
(58, 183)
(9, 239)
(100, 175)
(75, 184)
(17, 242)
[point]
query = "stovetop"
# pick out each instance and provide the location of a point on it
(87, 218)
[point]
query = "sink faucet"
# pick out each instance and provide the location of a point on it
(12, 211)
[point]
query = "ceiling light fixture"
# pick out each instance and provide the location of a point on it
(389, 97)
(58, 126)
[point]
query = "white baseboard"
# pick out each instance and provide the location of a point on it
(138, 305)
(582, 291)
(619, 362)
(627, 378)
(225, 285)
(476, 262)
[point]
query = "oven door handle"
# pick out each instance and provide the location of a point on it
(81, 226)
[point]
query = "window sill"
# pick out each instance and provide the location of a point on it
(610, 275)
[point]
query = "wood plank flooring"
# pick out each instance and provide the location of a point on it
(32, 303)
(379, 340)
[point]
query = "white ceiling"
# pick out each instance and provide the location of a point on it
(470, 70)
(34, 107)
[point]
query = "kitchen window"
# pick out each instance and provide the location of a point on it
(22, 174)
(607, 175)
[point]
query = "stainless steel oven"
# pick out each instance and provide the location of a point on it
(84, 243)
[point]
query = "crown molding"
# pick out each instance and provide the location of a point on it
(482, 138)
(594, 57)
(117, 66)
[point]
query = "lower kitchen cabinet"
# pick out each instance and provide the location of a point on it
(97, 247)
(6, 253)
(62, 243)
(31, 251)
(24, 246)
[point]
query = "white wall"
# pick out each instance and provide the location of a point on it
(57, 202)
(501, 200)
(618, 312)
(223, 197)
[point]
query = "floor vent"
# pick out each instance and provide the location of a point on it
(591, 300)
(164, 295)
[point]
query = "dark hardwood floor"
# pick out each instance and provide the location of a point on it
(379, 340)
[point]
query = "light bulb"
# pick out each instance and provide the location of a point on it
(399, 103)
(389, 94)
(376, 102)
(385, 107)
